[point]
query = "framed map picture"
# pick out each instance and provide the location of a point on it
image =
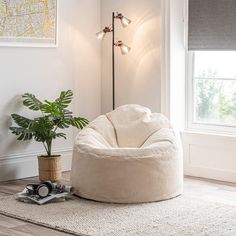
(28, 23)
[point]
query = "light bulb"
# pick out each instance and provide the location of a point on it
(124, 49)
(101, 35)
(125, 21)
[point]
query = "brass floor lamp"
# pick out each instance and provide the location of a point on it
(124, 48)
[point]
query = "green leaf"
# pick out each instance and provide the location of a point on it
(63, 124)
(39, 137)
(78, 122)
(65, 99)
(42, 124)
(42, 128)
(61, 135)
(51, 108)
(21, 120)
(67, 114)
(22, 133)
(55, 135)
(30, 101)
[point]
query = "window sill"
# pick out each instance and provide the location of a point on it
(215, 133)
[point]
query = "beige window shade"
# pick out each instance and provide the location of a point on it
(212, 25)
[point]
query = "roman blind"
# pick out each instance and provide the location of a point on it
(212, 25)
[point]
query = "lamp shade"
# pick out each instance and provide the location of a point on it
(101, 35)
(125, 21)
(124, 49)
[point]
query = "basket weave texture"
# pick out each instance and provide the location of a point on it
(49, 168)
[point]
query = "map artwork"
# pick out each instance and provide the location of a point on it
(28, 21)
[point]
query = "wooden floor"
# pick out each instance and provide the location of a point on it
(13, 227)
(207, 189)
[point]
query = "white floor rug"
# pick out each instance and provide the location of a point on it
(182, 216)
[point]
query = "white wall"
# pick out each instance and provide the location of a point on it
(74, 64)
(138, 74)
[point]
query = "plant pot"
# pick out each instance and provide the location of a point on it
(49, 168)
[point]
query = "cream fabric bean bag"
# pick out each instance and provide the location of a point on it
(129, 155)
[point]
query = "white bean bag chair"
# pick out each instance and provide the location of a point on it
(129, 155)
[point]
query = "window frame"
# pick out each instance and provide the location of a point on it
(191, 124)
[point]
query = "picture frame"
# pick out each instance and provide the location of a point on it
(31, 18)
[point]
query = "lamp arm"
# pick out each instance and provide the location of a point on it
(108, 29)
(118, 15)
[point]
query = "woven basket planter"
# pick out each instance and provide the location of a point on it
(49, 168)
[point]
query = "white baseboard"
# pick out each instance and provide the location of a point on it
(26, 165)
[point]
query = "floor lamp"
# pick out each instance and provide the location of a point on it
(124, 48)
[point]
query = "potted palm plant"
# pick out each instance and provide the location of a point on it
(47, 127)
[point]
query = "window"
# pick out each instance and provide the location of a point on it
(212, 90)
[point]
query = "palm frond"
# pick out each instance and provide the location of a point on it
(65, 99)
(30, 101)
(52, 108)
(63, 124)
(42, 124)
(22, 133)
(78, 122)
(60, 135)
(21, 120)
